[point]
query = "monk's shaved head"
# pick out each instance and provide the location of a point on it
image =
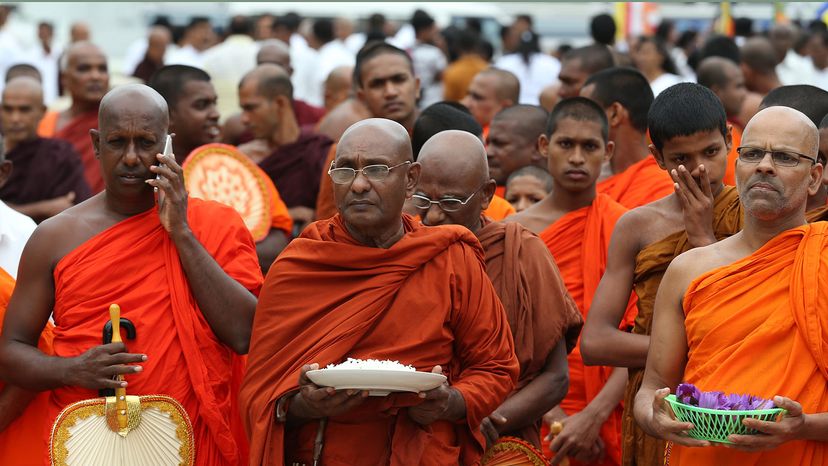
(133, 99)
(269, 80)
(79, 49)
(22, 110)
(454, 168)
(393, 134)
(276, 52)
(25, 85)
(785, 126)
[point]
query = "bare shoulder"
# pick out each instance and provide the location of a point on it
(59, 235)
(691, 264)
(533, 219)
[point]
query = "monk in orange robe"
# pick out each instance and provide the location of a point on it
(742, 315)
(23, 414)
(86, 79)
(690, 135)
(626, 96)
(372, 283)
(183, 271)
(575, 222)
(542, 316)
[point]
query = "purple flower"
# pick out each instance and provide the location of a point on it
(736, 402)
(713, 400)
(688, 394)
(760, 403)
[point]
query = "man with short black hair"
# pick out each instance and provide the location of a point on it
(579, 64)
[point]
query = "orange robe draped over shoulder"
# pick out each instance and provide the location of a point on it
(641, 183)
(579, 242)
(639, 449)
(77, 133)
(136, 265)
(758, 326)
(499, 208)
(538, 306)
(424, 301)
(22, 443)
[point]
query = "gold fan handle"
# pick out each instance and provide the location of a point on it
(120, 392)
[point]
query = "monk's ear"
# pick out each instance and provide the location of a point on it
(610, 151)
(95, 135)
(658, 156)
(815, 180)
(487, 193)
(729, 137)
(417, 84)
(412, 178)
(616, 114)
(543, 145)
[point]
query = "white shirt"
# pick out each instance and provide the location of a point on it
(329, 56)
(15, 230)
(795, 69)
(664, 81)
(227, 63)
(187, 55)
(429, 61)
(542, 71)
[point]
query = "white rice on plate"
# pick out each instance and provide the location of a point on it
(371, 364)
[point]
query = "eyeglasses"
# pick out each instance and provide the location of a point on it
(447, 205)
(372, 172)
(781, 158)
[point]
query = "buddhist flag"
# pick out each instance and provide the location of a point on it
(725, 25)
(634, 19)
(822, 13)
(779, 13)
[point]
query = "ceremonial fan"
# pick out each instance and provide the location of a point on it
(512, 451)
(122, 430)
(218, 172)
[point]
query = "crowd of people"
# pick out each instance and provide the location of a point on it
(565, 236)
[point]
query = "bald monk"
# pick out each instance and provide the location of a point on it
(338, 86)
(512, 142)
(85, 76)
(761, 282)
(48, 174)
(489, 92)
(575, 222)
(370, 283)
(726, 80)
(821, 213)
(386, 87)
(634, 177)
(544, 320)
(194, 119)
(443, 116)
(528, 186)
(187, 282)
(691, 140)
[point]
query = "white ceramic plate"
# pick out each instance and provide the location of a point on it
(377, 382)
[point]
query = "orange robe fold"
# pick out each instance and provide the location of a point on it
(280, 217)
(424, 301)
(143, 274)
(639, 449)
(730, 172)
(579, 242)
(538, 306)
(77, 133)
(325, 204)
(757, 326)
(22, 443)
(499, 208)
(817, 215)
(641, 183)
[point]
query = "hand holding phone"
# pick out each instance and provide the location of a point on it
(167, 153)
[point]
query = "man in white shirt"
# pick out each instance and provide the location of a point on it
(15, 228)
(429, 60)
(228, 61)
(330, 53)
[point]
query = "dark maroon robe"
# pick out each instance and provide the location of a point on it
(43, 169)
(296, 169)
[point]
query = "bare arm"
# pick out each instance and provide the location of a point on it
(270, 247)
(226, 304)
(602, 343)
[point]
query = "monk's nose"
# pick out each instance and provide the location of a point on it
(434, 215)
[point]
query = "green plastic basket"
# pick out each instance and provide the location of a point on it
(715, 424)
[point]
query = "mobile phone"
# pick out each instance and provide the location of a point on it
(167, 153)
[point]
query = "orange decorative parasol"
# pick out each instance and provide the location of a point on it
(122, 430)
(512, 451)
(219, 172)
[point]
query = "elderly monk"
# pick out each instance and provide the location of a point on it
(634, 177)
(575, 222)
(187, 281)
(370, 283)
(48, 174)
(454, 188)
(691, 140)
(85, 76)
(744, 315)
(194, 120)
(512, 142)
(386, 88)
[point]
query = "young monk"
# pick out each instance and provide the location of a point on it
(527, 186)
(744, 315)
(691, 140)
(575, 222)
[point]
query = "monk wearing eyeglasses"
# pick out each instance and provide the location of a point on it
(747, 314)
(544, 320)
(576, 222)
(371, 283)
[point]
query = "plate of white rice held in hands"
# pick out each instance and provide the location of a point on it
(378, 377)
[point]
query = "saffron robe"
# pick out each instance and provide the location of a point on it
(755, 326)
(424, 301)
(538, 306)
(579, 242)
(639, 449)
(499, 208)
(730, 172)
(44, 169)
(143, 274)
(23, 443)
(77, 133)
(296, 168)
(641, 183)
